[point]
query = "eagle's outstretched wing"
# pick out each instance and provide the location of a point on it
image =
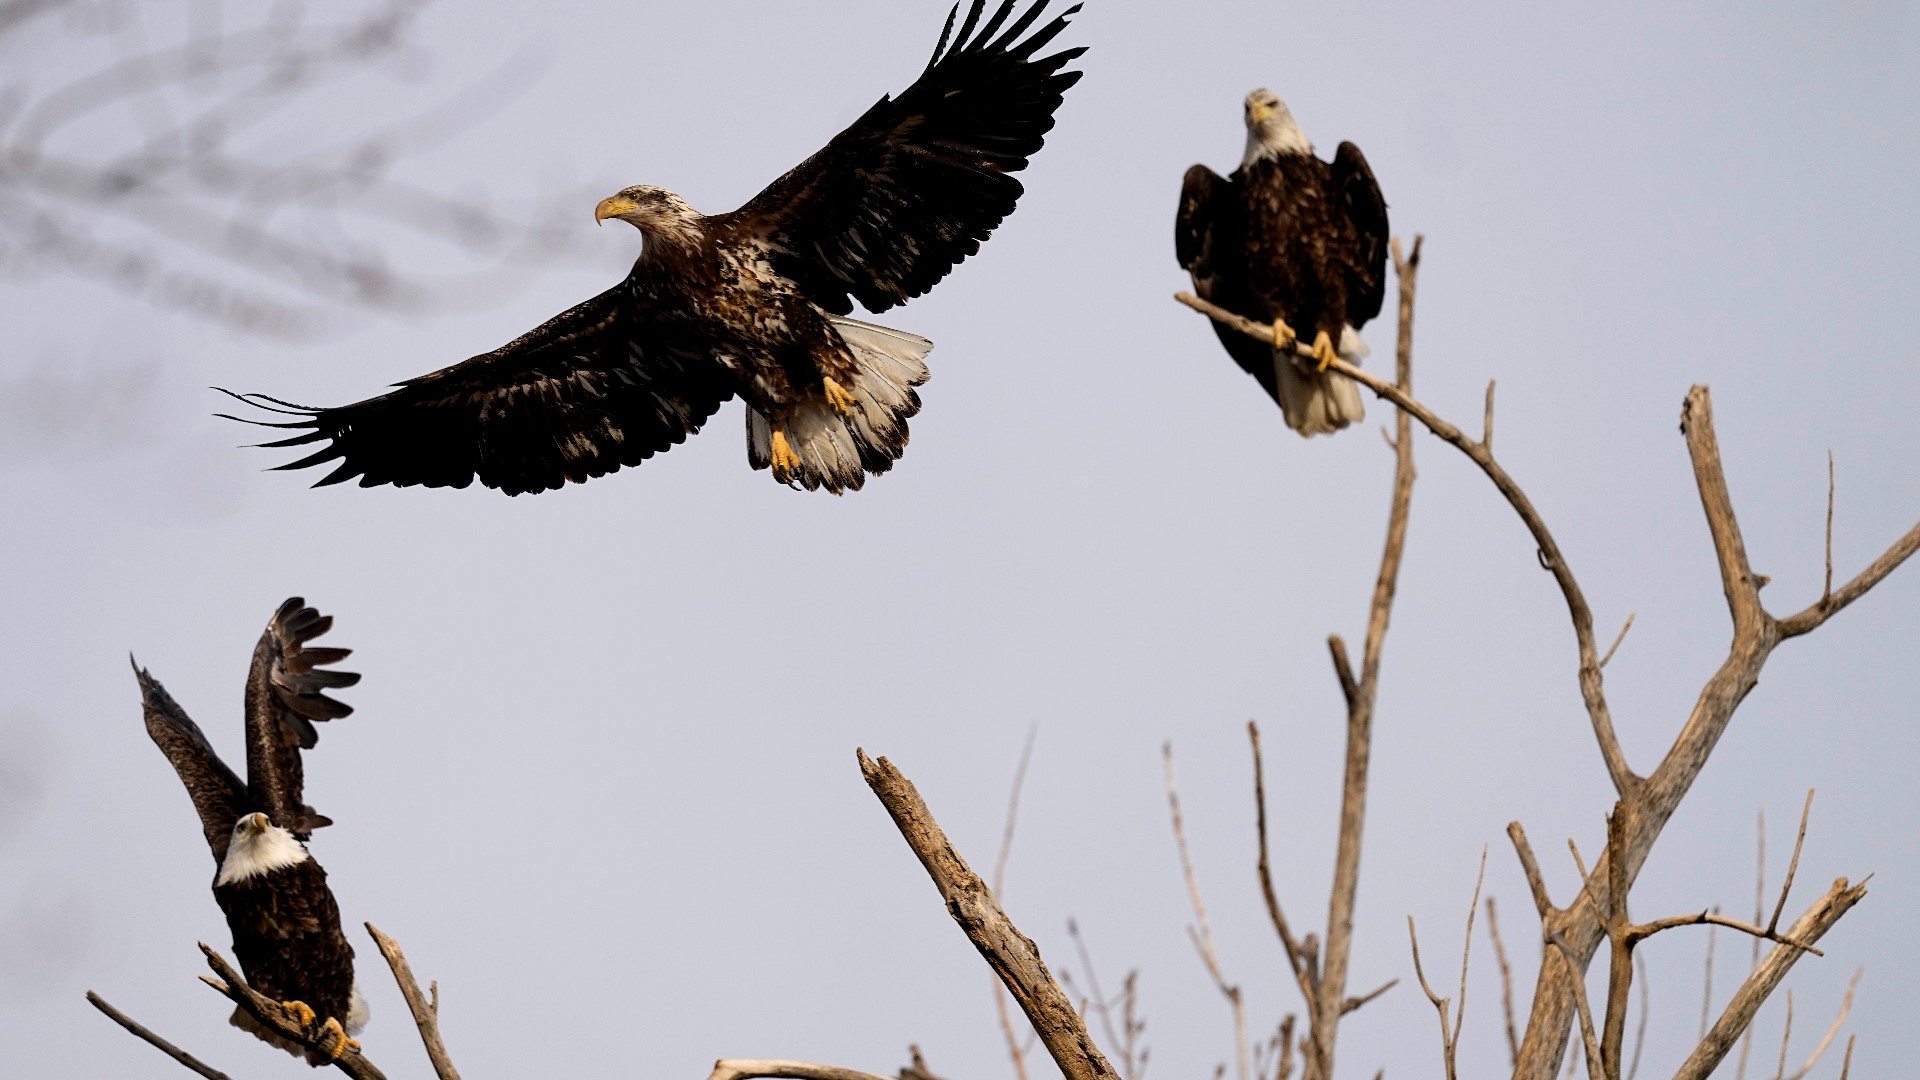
(285, 696)
(895, 201)
(596, 387)
(219, 797)
(1210, 240)
(1359, 195)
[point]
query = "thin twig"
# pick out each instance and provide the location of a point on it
(426, 1012)
(1014, 1048)
(1486, 426)
(1466, 949)
(1010, 953)
(1706, 998)
(1618, 638)
(1759, 902)
(1596, 1068)
(1354, 1003)
(1439, 1003)
(1296, 962)
(1846, 1063)
(1640, 1029)
(1786, 1039)
(1506, 983)
(1846, 1006)
(165, 1047)
(1792, 864)
(1203, 936)
(1826, 590)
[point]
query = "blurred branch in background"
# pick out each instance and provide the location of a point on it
(195, 157)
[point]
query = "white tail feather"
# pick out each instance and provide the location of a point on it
(1317, 403)
(837, 452)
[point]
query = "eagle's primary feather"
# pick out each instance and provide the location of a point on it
(744, 303)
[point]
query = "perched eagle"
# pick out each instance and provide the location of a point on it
(752, 302)
(285, 924)
(1297, 242)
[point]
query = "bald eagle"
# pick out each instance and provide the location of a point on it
(1294, 241)
(754, 302)
(285, 923)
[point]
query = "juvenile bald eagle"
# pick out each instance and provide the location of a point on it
(752, 302)
(1297, 242)
(285, 924)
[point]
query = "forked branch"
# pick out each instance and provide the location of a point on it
(424, 1007)
(276, 1018)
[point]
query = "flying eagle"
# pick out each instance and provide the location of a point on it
(1297, 242)
(752, 302)
(285, 924)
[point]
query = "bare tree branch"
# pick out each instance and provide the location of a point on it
(128, 1022)
(1739, 1013)
(1590, 681)
(1011, 954)
(1846, 1006)
(425, 1010)
(276, 1018)
(1506, 983)
(1295, 960)
(744, 1069)
(1203, 936)
(1014, 1049)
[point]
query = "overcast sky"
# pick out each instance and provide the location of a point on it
(600, 780)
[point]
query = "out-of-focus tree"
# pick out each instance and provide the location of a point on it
(156, 150)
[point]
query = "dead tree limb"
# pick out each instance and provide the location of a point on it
(1653, 799)
(141, 1031)
(424, 1007)
(744, 1069)
(1011, 954)
(276, 1018)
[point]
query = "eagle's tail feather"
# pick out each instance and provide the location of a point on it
(837, 452)
(1317, 403)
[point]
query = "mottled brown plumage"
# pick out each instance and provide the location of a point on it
(1293, 239)
(285, 922)
(751, 302)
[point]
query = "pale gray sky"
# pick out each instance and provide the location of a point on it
(600, 782)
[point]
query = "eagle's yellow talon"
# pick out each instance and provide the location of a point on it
(331, 1040)
(1283, 335)
(302, 1013)
(1323, 351)
(838, 396)
(786, 463)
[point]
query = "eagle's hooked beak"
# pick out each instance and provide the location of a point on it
(254, 823)
(612, 207)
(1258, 112)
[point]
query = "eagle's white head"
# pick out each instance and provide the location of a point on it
(1270, 128)
(258, 846)
(659, 214)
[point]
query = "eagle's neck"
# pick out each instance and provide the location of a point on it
(675, 229)
(1273, 137)
(251, 855)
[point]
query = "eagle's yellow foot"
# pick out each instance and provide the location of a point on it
(1283, 335)
(786, 463)
(1323, 351)
(838, 396)
(300, 1012)
(331, 1040)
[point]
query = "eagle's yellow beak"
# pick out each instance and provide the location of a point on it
(254, 823)
(1258, 112)
(613, 207)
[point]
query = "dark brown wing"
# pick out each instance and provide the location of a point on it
(218, 795)
(1358, 192)
(596, 387)
(285, 696)
(1210, 240)
(895, 201)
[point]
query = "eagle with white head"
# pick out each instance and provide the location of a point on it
(1294, 241)
(285, 922)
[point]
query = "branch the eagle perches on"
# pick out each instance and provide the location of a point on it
(1645, 803)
